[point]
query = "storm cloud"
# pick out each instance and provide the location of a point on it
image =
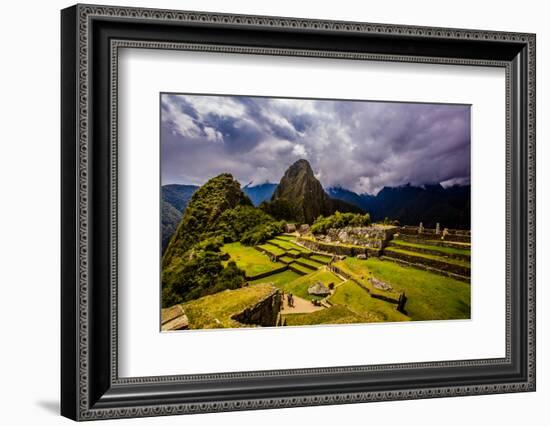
(358, 145)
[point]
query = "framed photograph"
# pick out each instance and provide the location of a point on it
(263, 212)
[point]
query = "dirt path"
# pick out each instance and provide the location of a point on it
(301, 306)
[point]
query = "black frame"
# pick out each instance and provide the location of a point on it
(91, 37)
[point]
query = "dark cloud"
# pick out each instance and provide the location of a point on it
(362, 146)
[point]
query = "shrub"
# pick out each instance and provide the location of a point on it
(262, 233)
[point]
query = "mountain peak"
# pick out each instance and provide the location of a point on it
(304, 195)
(300, 167)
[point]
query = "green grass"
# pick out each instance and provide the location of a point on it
(310, 262)
(251, 261)
(430, 296)
(337, 314)
(276, 251)
(288, 245)
(287, 259)
(301, 268)
(286, 237)
(320, 258)
(294, 252)
(457, 244)
(300, 285)
(458, 262)
(359, 301)
(279, 280)
(441, 249)
(215, 311)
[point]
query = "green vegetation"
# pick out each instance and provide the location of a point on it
(301, 268)
(250, 260)
(215, 311)
(287, 245)
(262, 232)
(300, 285)
(280, 279)
(339, 220)
(199, 274)
(275, 251)
(310, 262)
(430, 296)
(336, 314)
(286, 259)
(285, 237)
(459, 262)
(359, 301)
(441, 249)
(320, 258)
(219, 212)
(282, 209)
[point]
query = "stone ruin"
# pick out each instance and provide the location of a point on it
(374, 236)
(380, 285)
(304, 229)
(290, 228)
(318, 289)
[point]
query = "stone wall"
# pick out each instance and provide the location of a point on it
(456, 235)
(338, 249)
(268, 273)
(374, 237)
(452, 268)
(264, 313)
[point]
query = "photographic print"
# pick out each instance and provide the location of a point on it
(279, 212)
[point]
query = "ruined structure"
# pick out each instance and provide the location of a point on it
(318, 289)
(264, 313)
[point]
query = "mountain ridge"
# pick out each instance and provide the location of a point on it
(410, 205)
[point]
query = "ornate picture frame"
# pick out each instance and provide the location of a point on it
(91, 37)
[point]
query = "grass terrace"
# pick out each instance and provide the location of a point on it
(443, 250)
(320, 258)
(275, 251)
(299, 284)
(310, 262)
(288, 245)
(250, 260)
(453, 261)
(337, 314)
(351, 295)
(430, 296)
(280, 279)
(285, 237)
(215, 311)
(301, 268)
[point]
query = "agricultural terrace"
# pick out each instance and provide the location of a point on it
(216, 310)
(356, 295)
(430, 296)
(298, 285)
(250, 260)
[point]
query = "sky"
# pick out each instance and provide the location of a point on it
(361, 146)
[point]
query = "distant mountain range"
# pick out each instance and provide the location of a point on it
(174, 201)
(300, 197)
(411, 205)
(260, 193)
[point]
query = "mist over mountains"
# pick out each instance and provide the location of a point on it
(300, 197)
